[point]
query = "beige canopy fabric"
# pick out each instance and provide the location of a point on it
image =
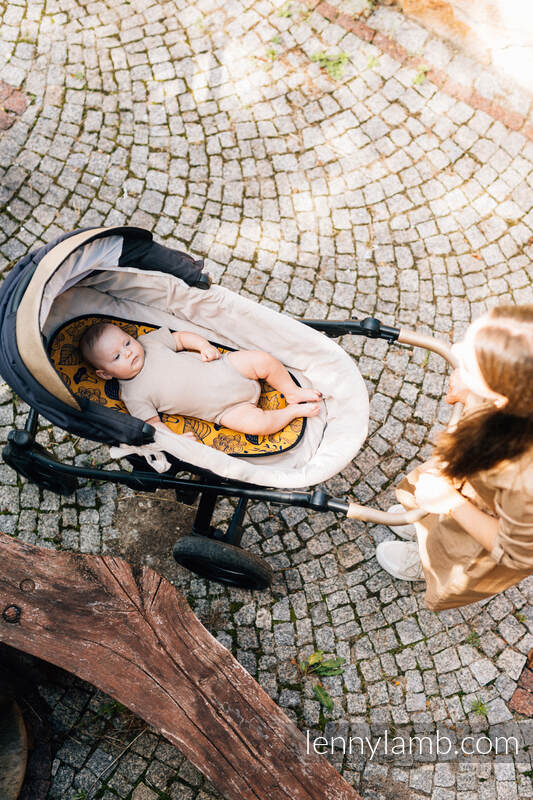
(28, 330)
(61, 267)
(331, 440)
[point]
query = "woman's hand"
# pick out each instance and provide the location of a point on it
(457, 391)
(435, 494)
(209, 352)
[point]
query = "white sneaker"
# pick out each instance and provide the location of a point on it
(401, 559)
(403, 531)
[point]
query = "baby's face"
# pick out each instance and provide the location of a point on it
(118, 355)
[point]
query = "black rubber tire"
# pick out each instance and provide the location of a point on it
(13, 749)
(222, 562)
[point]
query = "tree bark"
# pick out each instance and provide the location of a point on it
(133, 636)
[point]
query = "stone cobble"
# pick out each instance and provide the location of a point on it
(323, 171)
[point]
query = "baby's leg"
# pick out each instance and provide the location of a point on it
(258, 365)
(247, 418)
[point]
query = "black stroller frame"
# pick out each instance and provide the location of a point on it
(227, 562)
(209, 551)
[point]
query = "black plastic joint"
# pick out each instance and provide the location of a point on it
(371, 327)
(21, 439)
(319, 500)
(147, 433)
(203, 281)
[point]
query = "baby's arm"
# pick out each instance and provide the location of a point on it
(192, 341)
(157, 423)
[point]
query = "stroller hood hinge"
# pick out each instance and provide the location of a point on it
(319, 500)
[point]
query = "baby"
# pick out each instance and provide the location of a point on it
(159, 373)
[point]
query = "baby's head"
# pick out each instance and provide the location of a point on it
(111, 351)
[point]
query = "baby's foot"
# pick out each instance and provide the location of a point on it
(306, 409)
(298, 395)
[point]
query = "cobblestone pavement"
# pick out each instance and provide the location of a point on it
(328, 172)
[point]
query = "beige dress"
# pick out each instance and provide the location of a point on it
(458, 570)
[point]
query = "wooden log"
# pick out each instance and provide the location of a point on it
(131, 634)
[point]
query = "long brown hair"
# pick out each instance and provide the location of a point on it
(488, 436)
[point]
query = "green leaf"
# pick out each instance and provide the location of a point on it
(333, 662)
(331, 666)
(328, 672)
(315, 658)
(286, 10)
(421, 75)
(323, 697)
(334, 65)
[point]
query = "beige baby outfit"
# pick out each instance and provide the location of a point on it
(176, 381)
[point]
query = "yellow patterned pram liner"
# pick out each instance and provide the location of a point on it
(83, 381)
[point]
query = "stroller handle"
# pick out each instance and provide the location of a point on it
(421, 340)
(367, 514)
(375, 515)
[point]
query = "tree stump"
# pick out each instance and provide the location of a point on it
(131, 634)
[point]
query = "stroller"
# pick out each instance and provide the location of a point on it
(120, 274)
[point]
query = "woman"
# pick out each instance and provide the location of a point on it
(477, 539)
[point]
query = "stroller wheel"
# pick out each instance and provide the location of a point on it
(222, 562)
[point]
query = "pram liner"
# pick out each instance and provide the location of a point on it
(120, 272)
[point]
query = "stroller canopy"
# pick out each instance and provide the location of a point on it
(26, 298)
(122, 272)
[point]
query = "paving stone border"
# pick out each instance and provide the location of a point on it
(511, 119)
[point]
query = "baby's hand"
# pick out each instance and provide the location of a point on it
(209, 353)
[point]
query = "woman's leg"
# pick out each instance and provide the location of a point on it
(258, 365)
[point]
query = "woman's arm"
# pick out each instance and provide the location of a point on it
(435, 494)
(481, 527)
